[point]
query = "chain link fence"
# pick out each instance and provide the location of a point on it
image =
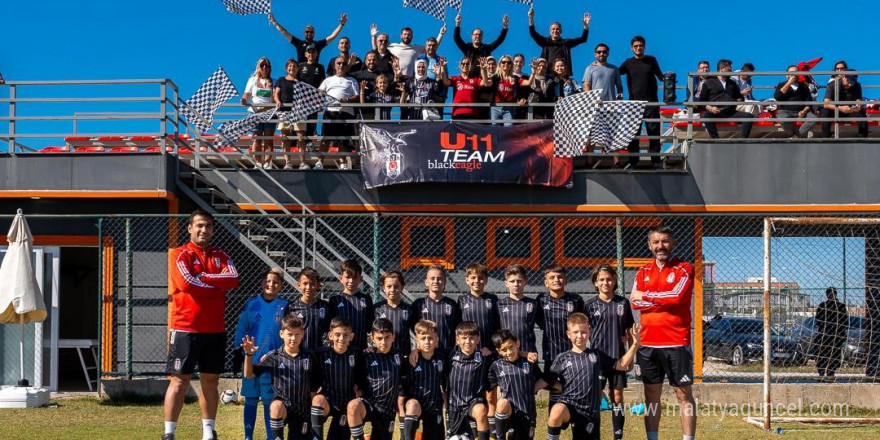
(728, 304)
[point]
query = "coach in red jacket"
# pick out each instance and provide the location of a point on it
(199, 277)
(662, 292)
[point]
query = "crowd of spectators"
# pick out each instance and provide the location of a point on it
(413, 74)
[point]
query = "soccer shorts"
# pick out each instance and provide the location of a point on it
(522, 425)
(583, 426)
(458, 419)
(432, 425)
(382, 423)
(187, 349)
(674, 363)
(258, 386)
(610, 375)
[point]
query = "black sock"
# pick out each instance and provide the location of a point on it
(357, 432)
(553, 433)
(501, 426)
(410, 425)
(473, 425)
(400, 426)
(277, 426)
(492, 426)
(617, 418)
(482, 435)
(318, 422)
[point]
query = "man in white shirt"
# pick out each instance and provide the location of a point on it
(405, 51)
(344, 89)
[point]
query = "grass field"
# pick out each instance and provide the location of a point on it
(87, 418)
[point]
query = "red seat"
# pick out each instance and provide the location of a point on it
(684, 124)
(106, 139)
(124, 150)
(669, 111)
(78, 141)
(93, 149)
(229, 150)
(182, 136)
(156, 149)
(55, 149)
(183, 150)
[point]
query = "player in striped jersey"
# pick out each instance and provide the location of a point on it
(518, 379)
(425, 386)
(556, 305)
(518, 312)
(466, 406)
(295, 379)
(395, 310)
(343, 373)
(314, 311)
(261, 319)
(611, 319)
(577, 370)
(442, 311)
(382, 392)
(352, 304)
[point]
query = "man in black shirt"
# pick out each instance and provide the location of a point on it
(339, 364)
(642, 73)
(793, 90)
(843, 88)
(723, 89)
(309, 37)
(476, 49)
(315, 313)
(312, 73)
(466, 406)
(554, 46)
(344, 46)
(832, 324)
(518, 380)
(384, 57)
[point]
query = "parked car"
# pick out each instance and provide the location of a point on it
(856, 346)
(740, 340)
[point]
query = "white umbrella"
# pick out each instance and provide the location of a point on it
(20, 298)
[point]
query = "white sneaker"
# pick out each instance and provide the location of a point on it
(267, 166)
(304, 166)
(343, 166)
(319, 165)
(288, 166)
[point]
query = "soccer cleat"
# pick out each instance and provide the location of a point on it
(304, 166)
(168, 436)
(319, 165)
(343, 166)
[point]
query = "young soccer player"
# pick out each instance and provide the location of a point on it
(381, 399)
(478, 306)
(577, 370)
(342, 369)
(611, 319)
(466, 384)
(518, 312)
(295, 379)
(314, 311)
(442, 311)
(395, 310)
(556, 306)
(353, 305)
(519, 380)
(261, 319)
(425, 386)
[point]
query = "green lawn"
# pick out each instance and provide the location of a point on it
(87, 418)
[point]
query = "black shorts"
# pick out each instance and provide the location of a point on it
(338, 421)
(674, 363)
(522, 425)
(583, 426)
(298, 427)
(187, 349)
(610, 375)
(432, 425)
(458, 419)
(382, 423)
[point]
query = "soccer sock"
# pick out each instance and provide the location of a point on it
(207, 429)
(357, 431)
(170, 427)
(267, 419)
(492, 426)
(250, 416)
(482, 435)
(687, 437)
(318, 422)
(400, 426)
(473, 425)
(553, 433)
(653, 435)
(501, 426)
(277, 426)
(617, 419)
(410, 424)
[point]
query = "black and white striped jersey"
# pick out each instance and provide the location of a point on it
(467, 379)
(317, 319)
(399, 317)
(483, 310)
(357, 309)
(445, 313)
(341, 372)
(294, 378)
(579, 375)
(427, 381)
(516, 382)
(552, 319)
(520, 316)
(608, 322)
(385, 376)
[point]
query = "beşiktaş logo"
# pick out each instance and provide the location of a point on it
(465, 152)
(388, 145)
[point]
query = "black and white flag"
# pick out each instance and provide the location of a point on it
(245, 7)
(573, 118)
(435, 8)
(617, 124)
(528, 2)
(231, 131)
(306, 101)
(199, 109)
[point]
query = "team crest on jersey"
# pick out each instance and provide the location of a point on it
(592, 357)
(305, 364)
(525, 367)
(438, 364)
(478, 357)
(620, 310)
(396, 360)
(488, 303)
(362, 302)
(569, 306)
(216, 261)
(405, 315)
(670, 278)
(351, 360)
(529, 307)
(322, 313)
(447, 309)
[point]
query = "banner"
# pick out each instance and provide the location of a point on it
(461, 152)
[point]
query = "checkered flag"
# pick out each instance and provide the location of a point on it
(618, 123)
(231, 131)
(528, 2)
(199, 109)
(245, 7)
(435, 8)
(306, 100)
(572, 121)
(455, 4)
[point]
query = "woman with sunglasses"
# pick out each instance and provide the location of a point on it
(466, 89)
(507, 89)
(259, 92)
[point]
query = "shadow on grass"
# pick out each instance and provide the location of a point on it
(134, 399)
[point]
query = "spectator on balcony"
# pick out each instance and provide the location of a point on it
(366, 78)
(312, 73)
(642, 73)
(744, 82)
(259, 91)
(487, 91)
(422, 89)
(430, 55)
(344, 47)
(283, 96)
(544, 90)
(407, 52)
(723, 91)
(507, 91)
(567, 85)
(344, 89)
(702, 68)
(309, 37)
(845, 87)
(832, 323)
(382, 93)
(383, 55)
(476, 49)
(792, 89)
(839, 66)
(555, 47)
(466, 88)
(603, 75)
(519, 61)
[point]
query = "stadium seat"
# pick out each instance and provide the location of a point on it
(55, 149)
(128, 149)
(669, 111)
(111, 141)
(78, 141)
(92, 149)
(143, 141)
(157, 149)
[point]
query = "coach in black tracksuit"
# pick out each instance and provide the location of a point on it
(723, 89)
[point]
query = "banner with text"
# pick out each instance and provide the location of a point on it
(461, 152)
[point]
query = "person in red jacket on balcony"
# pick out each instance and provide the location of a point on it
(199, 278)
(662, 292)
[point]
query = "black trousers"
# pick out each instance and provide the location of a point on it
(653, 129)
(829, 113)
(745, 127)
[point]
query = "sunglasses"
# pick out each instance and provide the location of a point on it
(264, 65)
(310, 32)
(465, 64)
(601, 51)
(505, 62)
(381, 41)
